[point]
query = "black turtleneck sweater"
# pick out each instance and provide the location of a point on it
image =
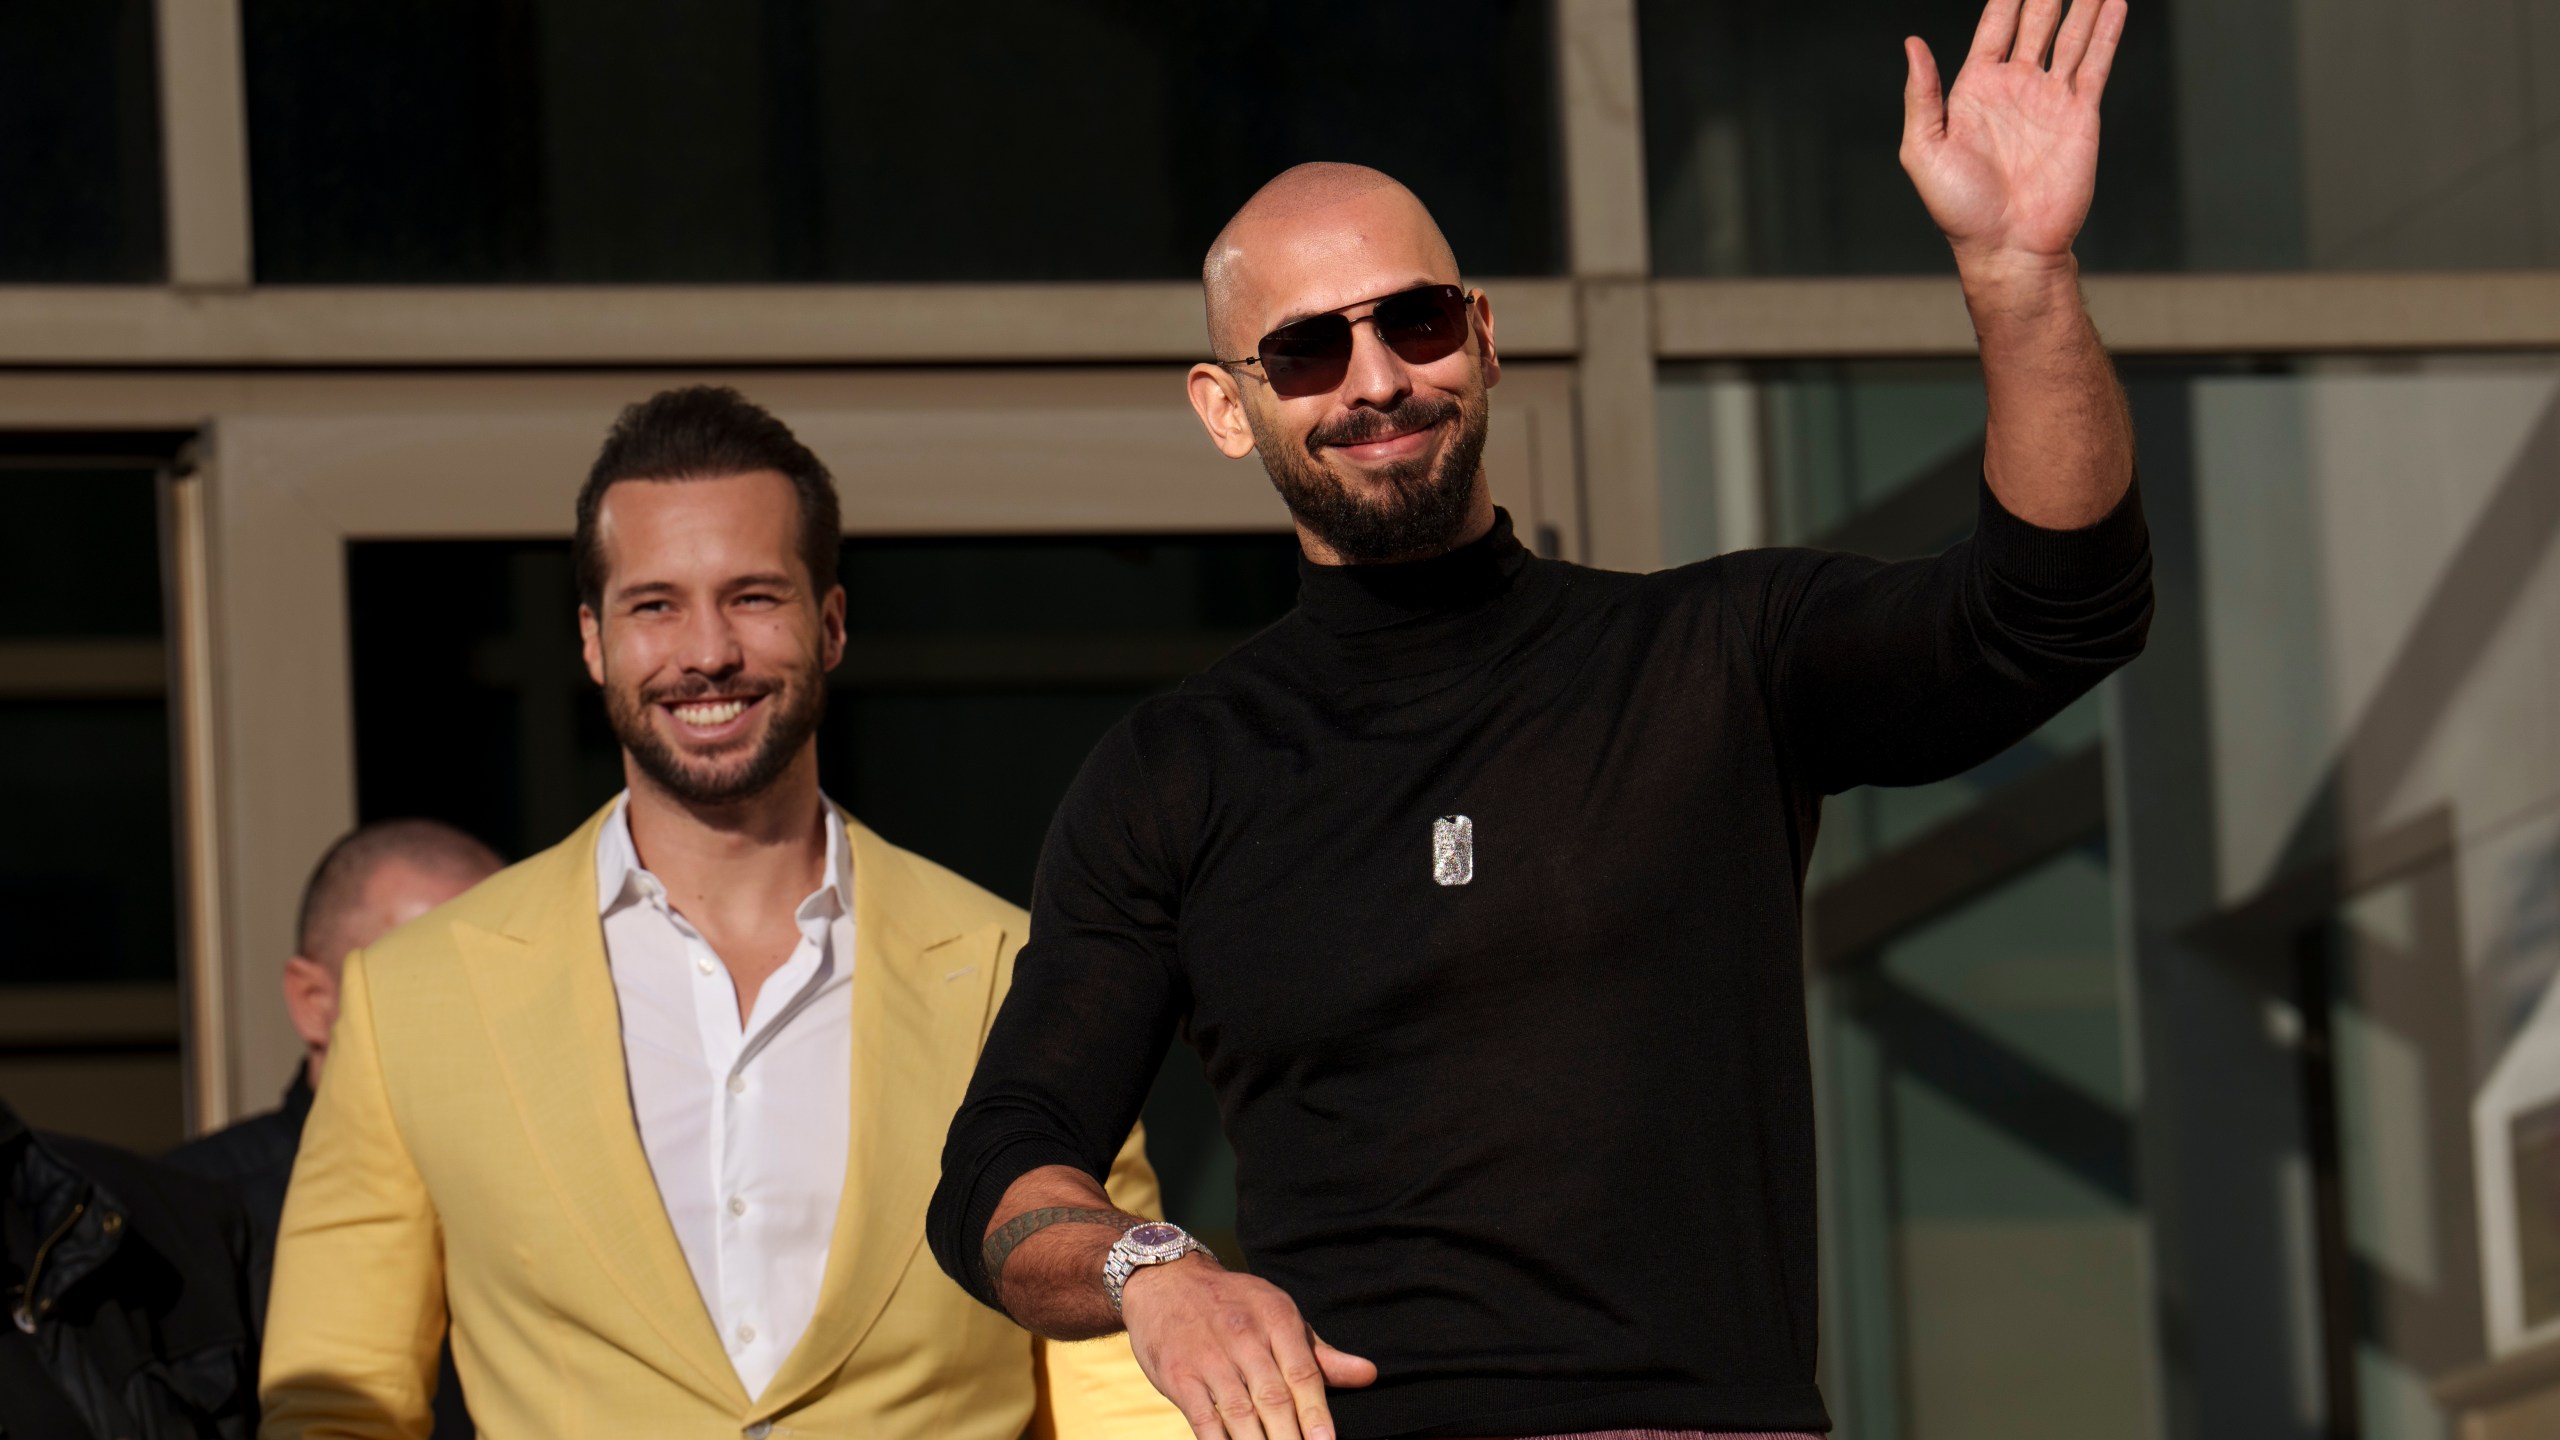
(1540, 1144)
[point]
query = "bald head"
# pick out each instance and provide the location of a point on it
(382, 875)
(1302, 236)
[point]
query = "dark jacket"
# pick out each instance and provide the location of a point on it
(255, 1158)
(127, 1288)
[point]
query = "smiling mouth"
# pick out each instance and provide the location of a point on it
(711, 713)
(1372, 446)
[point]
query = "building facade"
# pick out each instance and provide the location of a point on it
(2191, 1070)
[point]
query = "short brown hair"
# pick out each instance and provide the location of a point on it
(331, 897)
(706, 432)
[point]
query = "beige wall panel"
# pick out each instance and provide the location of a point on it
(1529, 456)
(1615, 418)
(204, 141)
(282, 728)
(656, 325)
(2138, 314)
(958, 452)
(1603, 117)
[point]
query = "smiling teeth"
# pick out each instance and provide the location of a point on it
(716, 712)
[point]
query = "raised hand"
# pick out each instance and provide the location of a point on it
(2007, 160)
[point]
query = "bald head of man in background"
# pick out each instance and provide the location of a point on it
(1389, 464)
(372, 881)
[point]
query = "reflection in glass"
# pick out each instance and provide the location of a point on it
(1986, 1236)
(2334, 815)
(2240, 135)
(2536, 1148)
(488, 140)
(2382, 991)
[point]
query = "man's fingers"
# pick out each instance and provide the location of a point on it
(1199, 1410)
(2073, 43)
(1342, 1368)
(1305, 1379)
(2092, 75)
(1275, 1407)
(1924, 107)
(2035, 31)
(1235, 1409)
(1999, 27)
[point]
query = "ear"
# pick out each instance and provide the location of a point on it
(1484, 321)
(831, 627)
(591, 642)
(311, 999)
(1220, 405)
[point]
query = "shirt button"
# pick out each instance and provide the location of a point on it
(746, 1334)
(737, 1084)
(737, 1206)
(703, 964)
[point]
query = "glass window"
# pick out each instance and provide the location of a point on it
(1877, 458)
(88, 869)
(977, 675)
(2381, 997)
(2240, 135)
(80, 166)
(2330, 810)
(1987, 1244)
(89, 884)
(580, 140)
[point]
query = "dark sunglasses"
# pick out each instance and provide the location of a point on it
(1310, 356)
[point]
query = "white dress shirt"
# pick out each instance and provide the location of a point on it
(745, 1125)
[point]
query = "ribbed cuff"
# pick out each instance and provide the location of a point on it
(2062, 562)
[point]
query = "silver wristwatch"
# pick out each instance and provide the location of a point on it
(1154, 1243)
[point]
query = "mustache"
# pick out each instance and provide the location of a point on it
(696, 687)
(1413, 412)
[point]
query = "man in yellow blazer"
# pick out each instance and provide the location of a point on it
(653, 1116)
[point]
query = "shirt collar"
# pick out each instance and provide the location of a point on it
(621, 881)
(1347, 600)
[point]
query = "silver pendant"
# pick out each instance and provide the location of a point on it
(1453, 850)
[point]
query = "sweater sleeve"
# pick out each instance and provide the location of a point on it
(1909, 672)
(1095, 997)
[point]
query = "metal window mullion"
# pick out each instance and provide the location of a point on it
(1599, 98)
(186, 564)
(2297, 312)
(204, 144)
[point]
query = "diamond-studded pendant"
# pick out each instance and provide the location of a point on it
(1453, 850)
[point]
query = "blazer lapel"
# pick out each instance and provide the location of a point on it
(546, 994)
(921, 987)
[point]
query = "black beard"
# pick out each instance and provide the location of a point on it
(799, 704)
(1426, 505)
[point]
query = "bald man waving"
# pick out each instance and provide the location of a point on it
(1475, 881)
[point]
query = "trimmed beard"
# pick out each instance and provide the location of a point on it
(1426, 504)
(799, 702)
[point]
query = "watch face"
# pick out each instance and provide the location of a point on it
(1155, 1234)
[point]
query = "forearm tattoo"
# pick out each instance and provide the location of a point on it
(1010, 1235)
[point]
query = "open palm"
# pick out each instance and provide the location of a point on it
(2007, 160)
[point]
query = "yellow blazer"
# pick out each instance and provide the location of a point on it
(473, 1147)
